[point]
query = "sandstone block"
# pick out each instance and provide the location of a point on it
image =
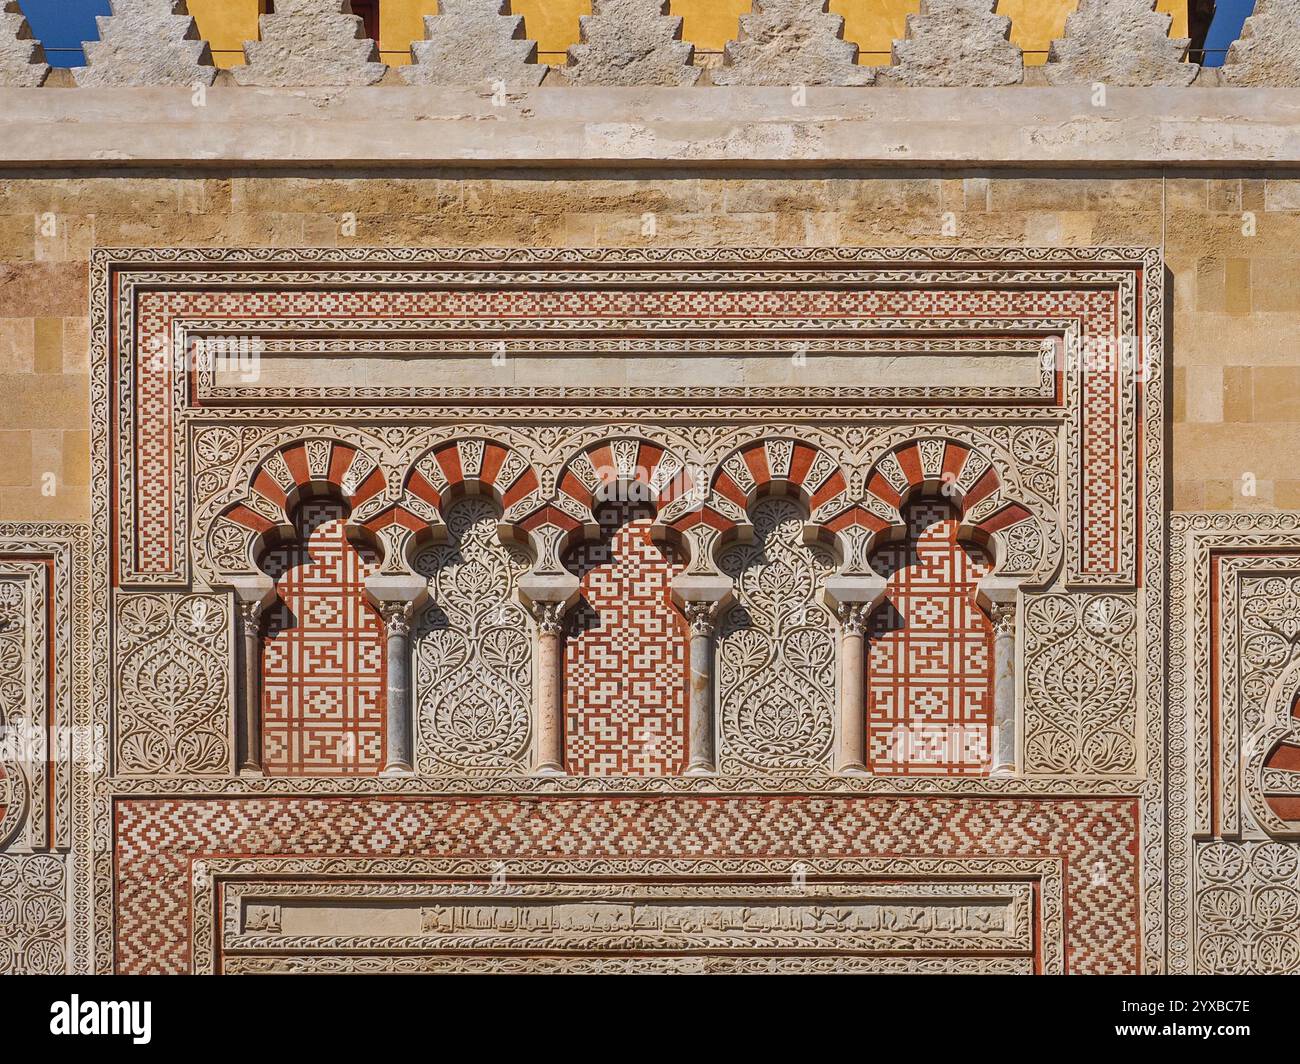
(792, 42)
(474, 42)
(22, 59)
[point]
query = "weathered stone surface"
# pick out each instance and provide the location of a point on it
(1119, 42)
(22, 59)
(959, 43)
(1268, 51)
(147, 42)
(473, 42)
(311, 42)
(631, 42)
(419, 126)
(792, 42)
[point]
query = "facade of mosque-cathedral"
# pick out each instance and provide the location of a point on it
(774, 487)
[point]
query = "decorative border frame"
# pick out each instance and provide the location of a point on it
(221, 879)
(1139, 324)
(1199, 781)
(58, 554)
(992, 265)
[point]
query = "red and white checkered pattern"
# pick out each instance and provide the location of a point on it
(625, 654)
(323, 656)
(930, 666)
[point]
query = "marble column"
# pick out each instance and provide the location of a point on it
(702, 593)
(854, 597)
(397, 598)
(399, 737)
(547, 593)
(549, 695)
(250, 709)
(851, 749)
(701, 748)
(253, 595)
(1003, 755)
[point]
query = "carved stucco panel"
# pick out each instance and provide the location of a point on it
(473, 650)
(1081, 684)
(174, 707)
(776, 648)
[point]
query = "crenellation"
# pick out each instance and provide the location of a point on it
(1268, 51)
(947, 43)
(631, 42)
(791, 42)
(146, 42)
(1119, 42)
(474, 42)
(956, 43)
(22, 58)
(311, 43)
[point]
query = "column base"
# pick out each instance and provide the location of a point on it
(250, 770)
(549, 770)
(855, 769)
(700, 770)
(391, 771)
(1002, 771)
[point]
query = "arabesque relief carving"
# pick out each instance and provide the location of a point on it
(473, 652)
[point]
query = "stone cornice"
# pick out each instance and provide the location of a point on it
(750, 127)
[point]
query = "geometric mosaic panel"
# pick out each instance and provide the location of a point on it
(162, 847)
(323, 655)
(930, 666)
(625, 653)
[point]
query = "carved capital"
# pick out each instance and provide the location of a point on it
(397, 617)
(397, 598)
(253, 597)
(548, 615)
(699, 615)
(250, 617)
(853, 598)
(1003, 617)
(997, 596)
(854, 616)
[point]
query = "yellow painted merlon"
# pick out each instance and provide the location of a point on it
(874, 25)
(400, 23)
(1035, 24)
(226, 25)
(553, 24)
(709, 25)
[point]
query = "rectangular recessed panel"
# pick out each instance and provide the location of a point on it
(454, 924)
(777, 364)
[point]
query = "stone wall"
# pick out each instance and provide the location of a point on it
(1236, 297)
(803, 161)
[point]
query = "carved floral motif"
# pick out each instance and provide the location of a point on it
(776, 651)
(173, 694)
(473, 654)
(1081, 684)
